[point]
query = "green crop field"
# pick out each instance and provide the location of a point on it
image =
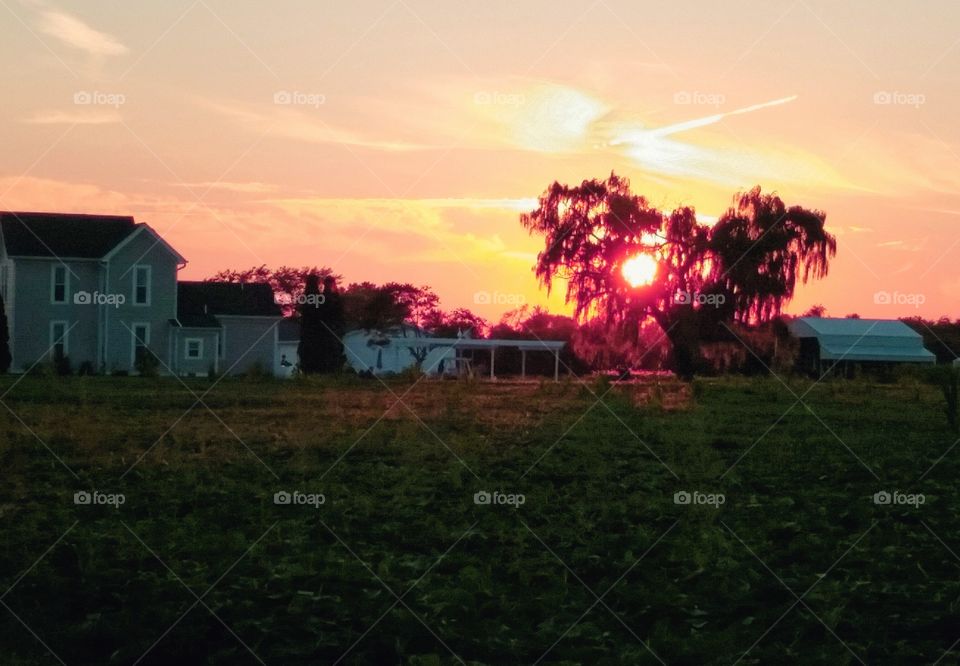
(428, 522)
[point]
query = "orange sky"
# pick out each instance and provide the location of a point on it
(399, 140)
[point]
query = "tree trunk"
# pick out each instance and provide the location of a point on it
(681, 326)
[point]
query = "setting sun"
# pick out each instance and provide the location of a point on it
(639, 270)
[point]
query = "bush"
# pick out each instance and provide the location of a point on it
(86, 368)
(412, 374)
(61, 365)
(38, 369)
(147, 365)
(948, 379)
(257, 372)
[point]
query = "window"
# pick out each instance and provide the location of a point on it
(141, 342)
(59, 347)
(141, 285)
(194, 348)
(58, 283)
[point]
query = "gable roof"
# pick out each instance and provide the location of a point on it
(158, 240)
(197, 301)
(63, 234)
(863, 339)
(834, 326)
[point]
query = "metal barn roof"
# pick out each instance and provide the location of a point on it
(863, 339)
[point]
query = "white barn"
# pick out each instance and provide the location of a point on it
(384, 352)
(408, 346)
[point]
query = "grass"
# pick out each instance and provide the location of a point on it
(399, 565)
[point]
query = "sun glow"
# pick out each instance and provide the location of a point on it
(639, 270)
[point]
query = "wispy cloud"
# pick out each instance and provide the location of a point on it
(295, 124)
(425, 229)
(240, 188)
(75, 33)
(656, 150)
(74, 118)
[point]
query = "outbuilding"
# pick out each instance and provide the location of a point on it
(827, 342)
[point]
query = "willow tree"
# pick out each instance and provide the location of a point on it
(743, 268)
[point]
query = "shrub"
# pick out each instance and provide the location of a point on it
(61, 365)
(412, 374)
(257, 372)
(948, 379)
(147, 365)
(38, 369)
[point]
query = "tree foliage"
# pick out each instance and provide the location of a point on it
(288, 283)
(743, 268)
(459, 320)
(322, 327)
(312, 331)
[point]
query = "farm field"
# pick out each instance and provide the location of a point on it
(587, 551)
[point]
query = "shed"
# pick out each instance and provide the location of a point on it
(385, 352)
(408, 346)
(868, 341)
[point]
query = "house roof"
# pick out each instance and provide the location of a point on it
(835, 326)
(63, 235)
(191, 320)
(198, 301)
(289, 330)
(863, 339)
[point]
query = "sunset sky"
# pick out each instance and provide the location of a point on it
(400, 140)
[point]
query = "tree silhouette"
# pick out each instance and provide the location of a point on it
(815, 311)
(744, 268)
(459, 320)
(288, 283)
(332, 318)
(381, 307)
(312, 329)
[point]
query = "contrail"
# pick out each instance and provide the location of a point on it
(710, 120)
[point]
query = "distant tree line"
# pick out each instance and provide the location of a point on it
(593, 344)
(325, 311)
(942, 336)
